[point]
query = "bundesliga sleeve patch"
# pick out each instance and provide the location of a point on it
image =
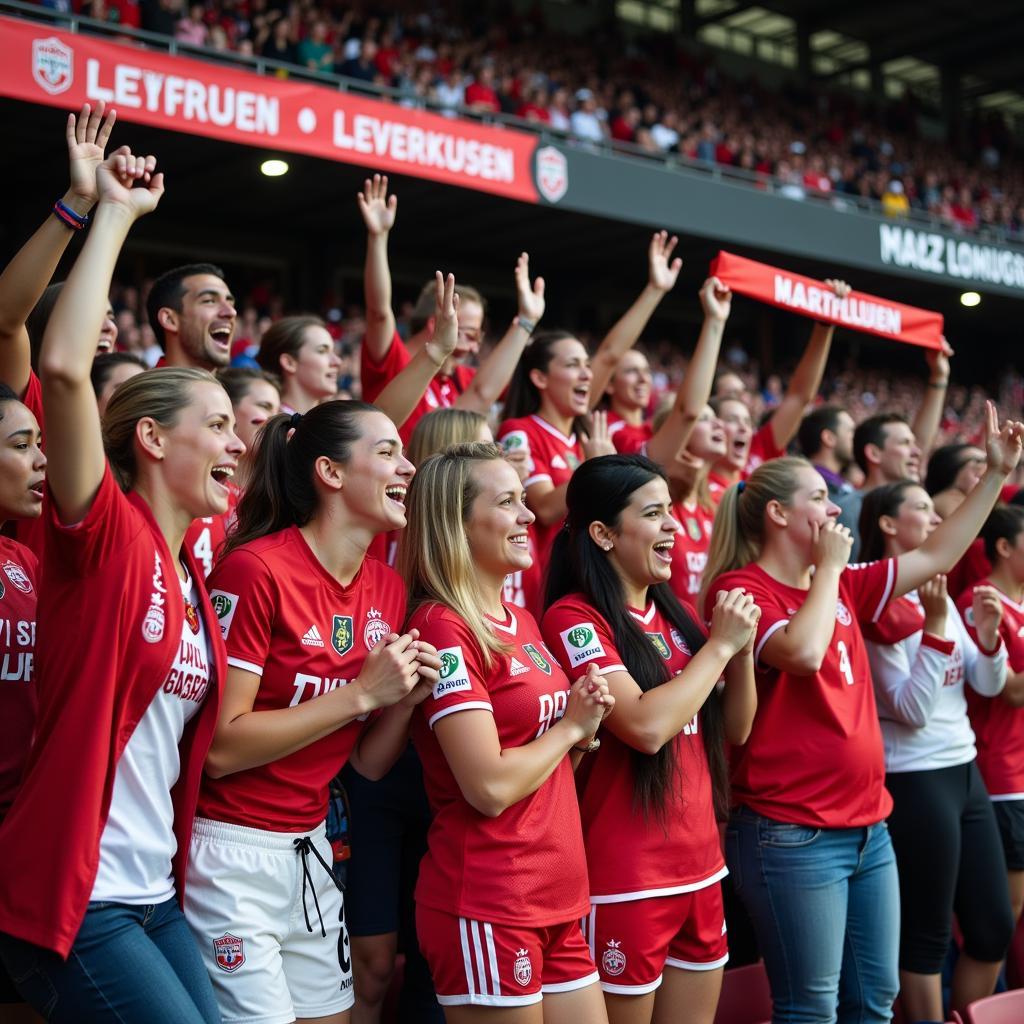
(224, 607)
(582, 643)
(454, 676)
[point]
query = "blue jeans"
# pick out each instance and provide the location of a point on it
(129, 965)
(826, 908)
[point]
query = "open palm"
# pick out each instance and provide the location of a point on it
(87, 137)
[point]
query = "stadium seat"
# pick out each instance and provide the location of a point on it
(746, 998)
(1003, 1008)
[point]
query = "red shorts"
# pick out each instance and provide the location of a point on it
(481, 964)
(632, 942)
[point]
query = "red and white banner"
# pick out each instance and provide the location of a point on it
(815, 299)
(63, 69)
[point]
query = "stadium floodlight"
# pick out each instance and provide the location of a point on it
(970, 299)
(274, 168)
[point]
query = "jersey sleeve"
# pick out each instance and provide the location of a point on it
(871, 586)
(763, 447)
(462, 683)
(375, 376)
(244, 598)
(579, 638)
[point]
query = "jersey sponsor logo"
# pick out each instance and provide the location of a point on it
(613, 960)
(229, 951)
(537, 658)
(153, 623)
(375, 629)
(523, 969)
(514, 440)
(658, 639)
(453, 676)
(581, 643)
(681, 645)
(341, 634)
(17, 576)
(224, 606)
(312, 637)
(843, 616)
(517, 668)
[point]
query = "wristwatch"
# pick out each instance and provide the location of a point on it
(588, 748)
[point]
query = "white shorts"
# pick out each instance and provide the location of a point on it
(247, 906)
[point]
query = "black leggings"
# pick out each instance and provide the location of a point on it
(950, 859)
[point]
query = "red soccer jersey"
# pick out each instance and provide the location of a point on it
(631, 857)
(629, 438)
(762, 448)
(815, 753)
(18, 574)
(526, 866)
(690, 554)
(287, 620)
(999, 727)
(441, 393)
(552, 458)
(205, 537)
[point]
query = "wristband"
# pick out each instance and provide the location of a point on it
(588, 748)
(64, 213)
(939, 384)
(527, 325)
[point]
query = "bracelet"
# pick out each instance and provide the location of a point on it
(64, 213)
(527, 325)
(588, 748)
(940, 384)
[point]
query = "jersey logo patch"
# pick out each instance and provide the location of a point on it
(375, 629)
(523, 967)
(341, 633)
(517, 668)
(613, 960)
(17, 576)
(453, 676)
(312, 637)
(681, 645)
(581, 643)
(192, 617)
(224, 606)
(574, 463)
(153, 623)
(514, 440)
(658, 639)
(229, 951)
(537, 658)
(843, 616)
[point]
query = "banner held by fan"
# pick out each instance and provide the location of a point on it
(805, 295)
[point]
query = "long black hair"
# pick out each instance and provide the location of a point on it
(523, 398)
(598, 491)
(944, 465)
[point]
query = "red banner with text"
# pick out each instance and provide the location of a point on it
(805, 295)
(182, 94)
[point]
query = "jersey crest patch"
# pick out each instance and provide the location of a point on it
(693, 529)
(613, 960)
(453, 676)
(375, 629)
(537, 658)
(523, 967)
(681, 644)
(573, 462)
(341, 634)
(153, 623)
(843, 616)
(224, 606)
(658, 639)
(229, 951)
(17, 576)
(581, 643)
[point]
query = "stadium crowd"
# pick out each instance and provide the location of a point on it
(554, 632)
(647, 93)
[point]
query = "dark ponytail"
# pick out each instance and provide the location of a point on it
(599, 490)
(281, 491)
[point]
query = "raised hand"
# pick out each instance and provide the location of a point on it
(734, 619)
(716, 300)
(1002, 444)
(377, 207)
(832, 546)
(938, 362)
(662, 270)
(987, 611)
(841, 288)
(446, 318)
(87, 136)
(531, 303)
(932, 596)
(599, 441)
(118, 176)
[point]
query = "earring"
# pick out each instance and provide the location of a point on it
(607, 546)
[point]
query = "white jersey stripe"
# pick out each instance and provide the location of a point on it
(478, 952)
(492, 958)
(470, 986)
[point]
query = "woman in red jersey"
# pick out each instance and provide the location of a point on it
(129, 666)
(807, 844)
(313, 650)
(654, 855)
(998, 721)
(300, 351)
(503, 885)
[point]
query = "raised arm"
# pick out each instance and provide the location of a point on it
(379, 212)
(929, 412)
(662, 274)
(695, 390)
(25, 278)
(496, 370)
(403, 392)
(75, 443)
(951, 538)
(806, 380)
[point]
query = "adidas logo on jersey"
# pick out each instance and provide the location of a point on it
(312, 637)
(518, 668)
